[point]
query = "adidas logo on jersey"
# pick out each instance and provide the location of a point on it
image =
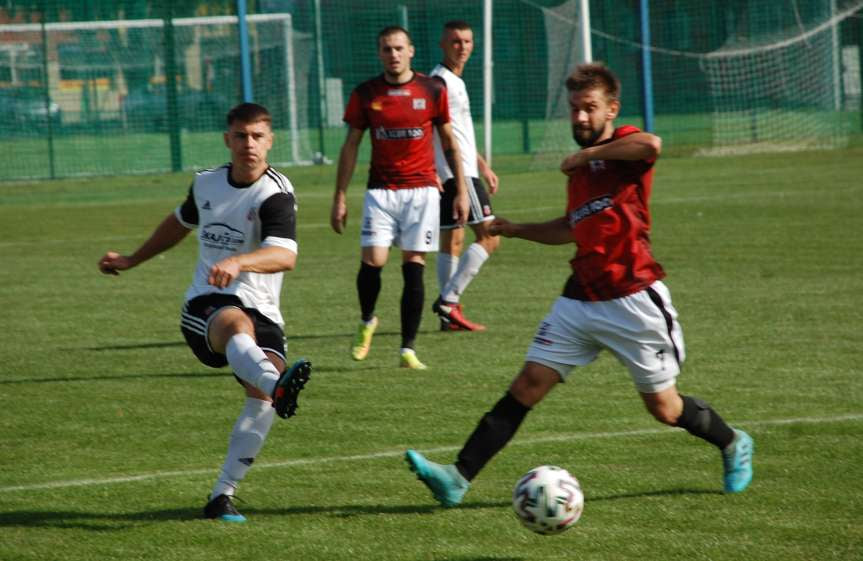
(206, 206)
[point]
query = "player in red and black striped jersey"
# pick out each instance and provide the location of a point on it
(401, 109)
(614, 298)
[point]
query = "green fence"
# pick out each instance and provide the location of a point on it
(105, 87)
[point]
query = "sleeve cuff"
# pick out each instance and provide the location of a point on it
(285, 243)
(179, 215)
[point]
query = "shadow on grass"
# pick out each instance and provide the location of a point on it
(107, 521)
(181, 343)
(661, 493)
(116, 377)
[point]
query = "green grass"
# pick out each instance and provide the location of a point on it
(113, 433)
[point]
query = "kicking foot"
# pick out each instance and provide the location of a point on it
(444, 481)
(289, 386)
(222, 508)
(363, 339)
(737, 462)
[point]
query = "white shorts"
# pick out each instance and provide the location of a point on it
(407, 218)
(640, 329)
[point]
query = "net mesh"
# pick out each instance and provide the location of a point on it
(107, 87)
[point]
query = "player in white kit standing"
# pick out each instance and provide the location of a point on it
(456, 270)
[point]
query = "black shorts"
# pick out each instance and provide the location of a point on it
(480, 204)
(195, 318)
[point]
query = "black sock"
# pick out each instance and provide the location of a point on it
(700, 420)
(368, 288)
(494, 430)
(413, 296)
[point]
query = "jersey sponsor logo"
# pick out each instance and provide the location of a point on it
(419, 103)
(383, 133)
(222, 237)
(589, 208)
(399, 92)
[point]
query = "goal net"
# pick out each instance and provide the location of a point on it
(779, 91)
(106, 88)
(727, 77)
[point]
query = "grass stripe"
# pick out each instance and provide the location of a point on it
(396, 453)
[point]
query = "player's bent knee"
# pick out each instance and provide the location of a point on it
(665, 417)
(489, 243)
(665, 407)
(227, 322)
(533, 383)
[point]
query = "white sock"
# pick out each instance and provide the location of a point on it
(247, 438)
(468, 267)
(251, 364)
(446, 268)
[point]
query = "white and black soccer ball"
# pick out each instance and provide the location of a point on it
(548, 500)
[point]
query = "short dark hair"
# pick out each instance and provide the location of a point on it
(594, 76)
(392, 30)
(248, 113)
(457, 25)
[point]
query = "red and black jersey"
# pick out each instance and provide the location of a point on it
(607, 209)
(400, 118)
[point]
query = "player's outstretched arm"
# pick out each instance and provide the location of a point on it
(263, 260)
(636, 146)
(166, 235)
(345, 170)
(553, 232)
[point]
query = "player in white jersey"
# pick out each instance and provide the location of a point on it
(456, 270)
(245, 214)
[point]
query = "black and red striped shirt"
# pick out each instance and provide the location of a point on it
(401, 120)
(609, 218)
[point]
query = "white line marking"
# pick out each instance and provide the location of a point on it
(397, 453)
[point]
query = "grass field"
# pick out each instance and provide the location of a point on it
(113, 434)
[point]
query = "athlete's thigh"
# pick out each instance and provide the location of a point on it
(270, 337)
(534, 382)
(195, 319)
(447, 220)
(419, 219)
(641, 330)
(561, 341)
(380, 221)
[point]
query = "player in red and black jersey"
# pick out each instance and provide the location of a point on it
(401, 108)
(614, 299)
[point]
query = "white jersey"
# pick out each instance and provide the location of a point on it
(462, 126)
(234, 219)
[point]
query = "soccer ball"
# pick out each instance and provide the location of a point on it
(548, 500)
